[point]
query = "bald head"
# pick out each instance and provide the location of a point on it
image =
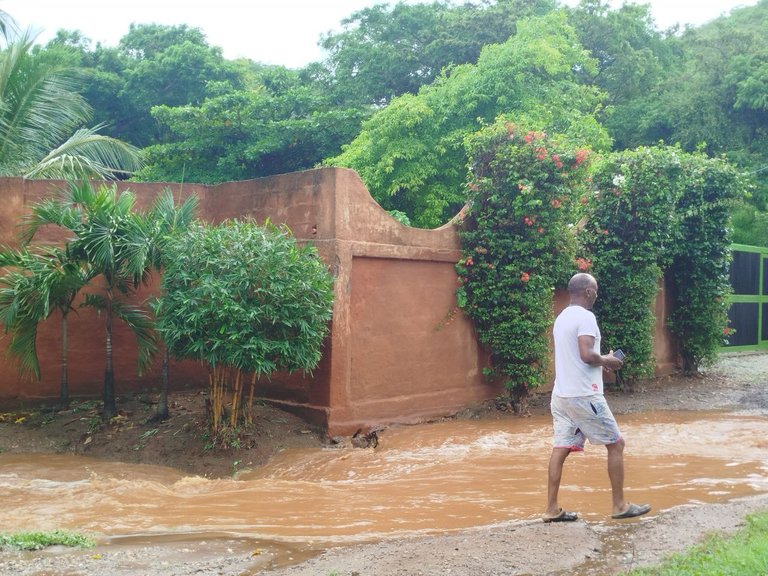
(582, 290)
(580, 282)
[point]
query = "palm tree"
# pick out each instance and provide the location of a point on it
(37, 284)
(164, 220)
(115, 243)
(42, 118)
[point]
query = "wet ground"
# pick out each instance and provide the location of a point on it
(458, 496)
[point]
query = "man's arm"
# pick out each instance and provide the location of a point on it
(589, 356)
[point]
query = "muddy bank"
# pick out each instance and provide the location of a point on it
(578, 549)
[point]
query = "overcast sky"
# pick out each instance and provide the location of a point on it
(269, 31)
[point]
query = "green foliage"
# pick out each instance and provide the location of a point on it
(411, 154)
(699, 273)
(245, 296)
(40, 540)
(273, 126)
(628, 235)
(712, 98)
(743, 554)
(517, 245)
(109, 237)
(34, 285)
(390, 50)
(633, 59)
(750, 224)
(42, 117)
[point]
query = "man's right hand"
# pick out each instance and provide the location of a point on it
(611, 362)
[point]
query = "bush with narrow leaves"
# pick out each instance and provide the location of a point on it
(243, 298)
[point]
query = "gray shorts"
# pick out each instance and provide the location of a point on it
(580, 418)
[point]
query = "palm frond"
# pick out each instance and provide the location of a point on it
(87, 154)
(23, 348)
(40, 106)
(34, 285)
(141, 324)
(96, 301)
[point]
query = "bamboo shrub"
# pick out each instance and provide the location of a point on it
(243, 298)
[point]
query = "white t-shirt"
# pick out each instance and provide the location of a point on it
(573, 376)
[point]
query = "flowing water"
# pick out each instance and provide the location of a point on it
(420, 479)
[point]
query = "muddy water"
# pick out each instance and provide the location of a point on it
(428, 478)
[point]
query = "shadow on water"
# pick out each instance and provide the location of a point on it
(425, 479)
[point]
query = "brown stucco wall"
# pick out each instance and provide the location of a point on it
(398, 349)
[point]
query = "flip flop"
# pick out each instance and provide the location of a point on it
(563, 517)
(632, 511)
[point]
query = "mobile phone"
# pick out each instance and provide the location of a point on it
(619, 354)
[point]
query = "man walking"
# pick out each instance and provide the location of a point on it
(579, 409)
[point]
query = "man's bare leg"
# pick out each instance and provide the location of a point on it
(556, 461)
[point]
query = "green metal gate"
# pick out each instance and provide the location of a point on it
(748, 310)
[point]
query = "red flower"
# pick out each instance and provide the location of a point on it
(470, 261)
(529, 221)
(581, 155)
(556, 203)
(525, 277)
(557, 161)
(583, 264)
(529, 137)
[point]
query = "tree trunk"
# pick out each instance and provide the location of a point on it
(518, 397)
(162, 404)
(64, 385)
(110, 409)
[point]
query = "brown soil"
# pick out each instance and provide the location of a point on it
(738, 382)
(182, 441)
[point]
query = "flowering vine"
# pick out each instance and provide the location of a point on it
(517, 245)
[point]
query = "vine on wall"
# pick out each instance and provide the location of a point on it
(646, 211)
(629, 235)
(699, 274)
(518, 244)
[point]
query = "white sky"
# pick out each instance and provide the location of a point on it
(270, 31)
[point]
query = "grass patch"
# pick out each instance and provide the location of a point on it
(40, 540)
(743, 554)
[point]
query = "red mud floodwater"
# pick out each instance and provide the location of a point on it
(421, 479)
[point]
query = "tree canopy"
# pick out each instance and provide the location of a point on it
(411, 154)
(402, 84)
